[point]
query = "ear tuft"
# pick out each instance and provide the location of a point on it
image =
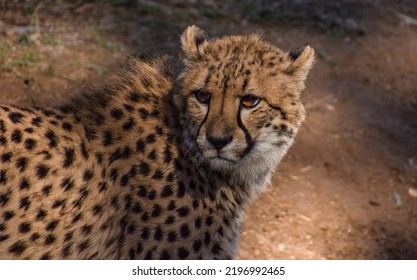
(191, 39)
(302, 60)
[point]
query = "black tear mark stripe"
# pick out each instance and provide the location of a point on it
(248, 137)
(202, 123)
(279, 109)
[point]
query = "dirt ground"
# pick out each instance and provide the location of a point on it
(347, 189)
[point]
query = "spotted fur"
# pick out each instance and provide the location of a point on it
(139, 168)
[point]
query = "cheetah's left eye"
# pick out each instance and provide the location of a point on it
(250, 101)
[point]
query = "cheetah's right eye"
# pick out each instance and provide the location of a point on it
(202, 96)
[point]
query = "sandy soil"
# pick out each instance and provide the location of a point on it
(345, 189)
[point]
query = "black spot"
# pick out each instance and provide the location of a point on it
(29, 130)
(7, 215)
(52, 225)
(53, 140)
(67, 126)
(153, 155)
(184, 231)
(97, 209)
(3, 140)
(136, 208)
(170, 177)
(197, 222)
(132, 254)
(15, 117)
(133, 96)
(140, 146)
(16, 136)
(25, 227)
(165, 255)
(116, 113)
(166, 191)
(139, 248)
(30, 144)
(170, 220)
(145, 233)
(195, 203)
(180, 190)
(142, 191)
(45, 256)
(172, 205)
(3, 178)
(67, 250)
(42, 171)
(4, 237)
(46, 189)
(69, 157)
(151, 138)
(35, 236)
(76, 218)
(83, 245)
(17, 248)
(155, 113)
(128, 202)
(209, 220)
(68, 236)
(3, 126)
(144, 168)
(102, 187)
(6, 157)
(24, 184)
(107, 138)
(172, 236)
(182, 253)
(158, 175)
(21, 164)
(128, 108)
(36, 121)
(86, 229)
(41, 214)
(121, 153)
(25, 203)
(67, 184)
(88, 175)
(156, 212)
(183, 211)
(114, 173)
(197, 245)
(216, 249)
(158, 235)
(143, 113)
(207, 238)
(129, 124)
(84, 151)
(58, 203)
(148, 255)
(145, 217)
(124, 180)
(49, 239)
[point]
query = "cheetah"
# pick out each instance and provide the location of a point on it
(157, 162)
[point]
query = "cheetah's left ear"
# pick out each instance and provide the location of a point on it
(191, 39)
(301, 60)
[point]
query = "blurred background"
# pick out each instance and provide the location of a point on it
(348, 187)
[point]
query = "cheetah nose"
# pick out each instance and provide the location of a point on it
(219, 142)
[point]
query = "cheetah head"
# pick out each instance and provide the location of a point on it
(240, 99)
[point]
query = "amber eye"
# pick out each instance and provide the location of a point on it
(249, 101)
(202, 96)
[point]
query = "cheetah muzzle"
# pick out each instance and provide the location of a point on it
(151, 164)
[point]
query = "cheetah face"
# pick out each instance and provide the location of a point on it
(241, 98)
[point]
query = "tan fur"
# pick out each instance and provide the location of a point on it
(125, 170)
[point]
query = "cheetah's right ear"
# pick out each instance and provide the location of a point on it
(191, 39)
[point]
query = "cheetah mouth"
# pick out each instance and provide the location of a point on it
(218, 157)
